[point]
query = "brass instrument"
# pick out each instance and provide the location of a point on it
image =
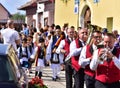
(103, 57)
(91, 29)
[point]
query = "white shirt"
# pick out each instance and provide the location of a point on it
(74, 51)
(95, 61)
(83, 61)
(61, 46)
(34, 53)
(49, 49)
(10, 36)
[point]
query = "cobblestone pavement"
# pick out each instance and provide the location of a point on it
(47, 78)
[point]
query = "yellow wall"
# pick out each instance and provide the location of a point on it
(102, 10)
(64, 13)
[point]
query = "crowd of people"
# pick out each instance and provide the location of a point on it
(96, 64)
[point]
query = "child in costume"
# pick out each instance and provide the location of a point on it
(39, 56)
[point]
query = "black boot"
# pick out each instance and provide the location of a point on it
(40, 74)
(36, 73)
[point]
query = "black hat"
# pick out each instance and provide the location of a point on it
(57, 27)
(105, 30)
(41, 39)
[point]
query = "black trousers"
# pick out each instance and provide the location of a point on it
(69, 75)
(79, 78)
(99, 84)
(89, 81)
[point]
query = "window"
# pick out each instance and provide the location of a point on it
(6, 72)
(96, 1)
(110, 23)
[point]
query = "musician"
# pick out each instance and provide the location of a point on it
(75, 49)
(86, 56)
(52, 56)
(64, 49)
(107, 72)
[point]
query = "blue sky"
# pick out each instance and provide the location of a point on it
(12, 5)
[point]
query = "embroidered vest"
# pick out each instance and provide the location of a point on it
(41, 53)
(54, 57)
(21, 52)
(67, 47)
(89, 53)
(54, 41)
(108, 72)
(74, 59)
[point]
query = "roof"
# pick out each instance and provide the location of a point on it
(31, 3)
(28, 4)
(6, 10)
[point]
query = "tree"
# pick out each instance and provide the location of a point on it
(18, 18)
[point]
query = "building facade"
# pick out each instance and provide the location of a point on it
(103, 13)
(4, 14)
(39, 12)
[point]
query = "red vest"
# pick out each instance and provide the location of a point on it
(108, 72)
(67, 47)
(89, 52)
(74, 59)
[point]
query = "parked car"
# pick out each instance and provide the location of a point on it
(11, 73)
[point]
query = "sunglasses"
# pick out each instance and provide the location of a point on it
(97, 37)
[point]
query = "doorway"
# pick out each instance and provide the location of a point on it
(85, 17)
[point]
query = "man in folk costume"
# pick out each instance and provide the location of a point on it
(64, 48)
(86, 56)
(106, 63)
(39, 56)
(75, 49)
(51, 54)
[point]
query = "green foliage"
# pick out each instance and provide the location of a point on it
(38, 86)
(18, 16)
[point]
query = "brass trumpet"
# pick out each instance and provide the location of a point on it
(103, 57)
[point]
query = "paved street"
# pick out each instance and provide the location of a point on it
(47, 78)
